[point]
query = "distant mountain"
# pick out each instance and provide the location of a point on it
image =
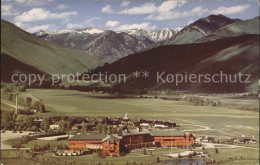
(108, 46)
(155, 36)
(199, 29)
(111, 46)
(22, 52)
(240, 28)
(230, 55)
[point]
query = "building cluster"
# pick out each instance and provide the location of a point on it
(125, 140)
(76, 123)
(244, 140)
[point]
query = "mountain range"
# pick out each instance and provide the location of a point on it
(231, 54)
(120, 44)
(208, 45)
(108, 46)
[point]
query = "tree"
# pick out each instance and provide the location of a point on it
(104, 129)
(28, 101)
(42, 107)
(8, 120)
(144, 151)
(216, 150)
(34, 128)
(190, 155)
(99, 127)
(157, 159)
(46, 124)
(29, 122)
(109, 130)
(64, 126)
(84, 129)
(39, 106)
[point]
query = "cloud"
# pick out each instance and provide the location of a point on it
(28, 2)
(199, 10)
(84, 24)
(144, 9)
(35, 28)
(47, 27)
(190, 21)
(8, 10)
(231, 10)
(107, 9)
(112, 23)
(61, 6)
(125, 3)
(196, 11)
(151, 8)
(144, 25)
(40, 14)
(169, 5)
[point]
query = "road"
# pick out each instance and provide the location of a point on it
(9, 135)
(214, 145)
(11, 104)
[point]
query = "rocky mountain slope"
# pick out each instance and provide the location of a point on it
(108, 46)
(199, 29)
(158, 35)
(240, 28)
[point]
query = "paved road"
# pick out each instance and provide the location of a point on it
(214, 145)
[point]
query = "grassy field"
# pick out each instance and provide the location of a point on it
(225, 156)
(218, 122)
(221, 122)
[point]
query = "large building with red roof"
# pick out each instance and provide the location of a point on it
(129, 139)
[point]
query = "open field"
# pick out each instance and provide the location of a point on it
(220, 122)
(225, 156)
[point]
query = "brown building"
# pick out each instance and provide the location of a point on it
(136, 136)
(112, 144)
(86, 142)
(172, 138)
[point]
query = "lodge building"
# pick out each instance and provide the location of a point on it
(130, 139)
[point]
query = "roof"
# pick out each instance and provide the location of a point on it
(112, 138)
(167, 133)
(135, 132)
(88, 137)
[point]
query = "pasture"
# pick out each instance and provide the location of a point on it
(219, 122)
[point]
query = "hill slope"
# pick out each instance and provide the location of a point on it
(199, 29)
(240, 28)
(45, 57)
(230, 55)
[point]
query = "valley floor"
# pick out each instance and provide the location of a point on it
(219, 122)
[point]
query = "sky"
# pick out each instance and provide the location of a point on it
(52, 15)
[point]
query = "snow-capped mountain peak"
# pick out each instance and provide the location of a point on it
(91, 31)
(155, 36)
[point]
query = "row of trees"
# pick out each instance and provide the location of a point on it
(9, 93)
(9, 121)
(105, 129)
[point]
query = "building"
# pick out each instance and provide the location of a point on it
(111, 145)
(86, 142)
(54, 126)
(130, 139)
(244, 140)
(172, 138)
(136, 136)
